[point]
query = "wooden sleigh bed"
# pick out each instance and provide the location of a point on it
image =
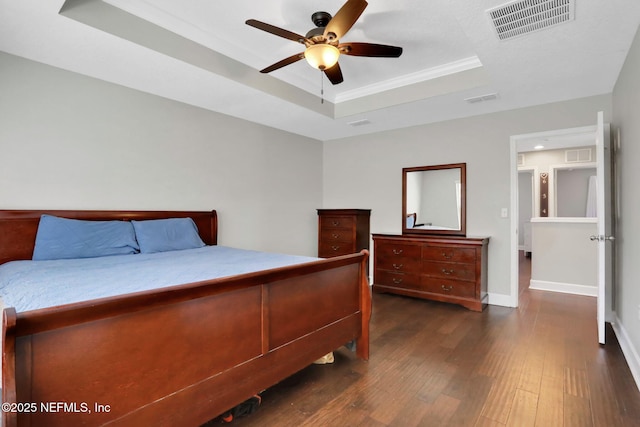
(180, 355)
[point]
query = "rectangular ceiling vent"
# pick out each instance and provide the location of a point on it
(521, 17)
(360, 122)
(481, 98)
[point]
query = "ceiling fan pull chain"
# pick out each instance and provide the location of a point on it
(321, 89)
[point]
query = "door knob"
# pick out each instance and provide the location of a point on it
(601, 238)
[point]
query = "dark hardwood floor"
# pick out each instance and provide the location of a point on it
(435, 364)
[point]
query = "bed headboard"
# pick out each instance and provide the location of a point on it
(18, 227)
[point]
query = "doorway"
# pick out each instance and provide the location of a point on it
(564, 139)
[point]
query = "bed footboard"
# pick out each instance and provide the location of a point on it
(181, 355)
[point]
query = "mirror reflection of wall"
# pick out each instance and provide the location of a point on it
(440, 199)
(572, 192)
(414, 190)
(434, 199)
(434, 196)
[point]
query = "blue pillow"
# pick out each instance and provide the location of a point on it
(171, 234)
(63, 238)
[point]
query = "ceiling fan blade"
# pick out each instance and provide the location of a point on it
(344, 19)
(370, 49)
(287, 61)
(334, 74)
(276, 30)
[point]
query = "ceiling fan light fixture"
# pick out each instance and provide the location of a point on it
(322, 43)
(322, 56)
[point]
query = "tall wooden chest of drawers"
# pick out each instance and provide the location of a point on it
(448, 269)
(342, 231)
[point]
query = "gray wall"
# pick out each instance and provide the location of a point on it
(626, 108)
(69, 141)
(562, 258)
(366, 171)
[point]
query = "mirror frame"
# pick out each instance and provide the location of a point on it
(463, 200)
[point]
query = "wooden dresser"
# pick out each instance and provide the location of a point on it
(448, 269)
(342, 231)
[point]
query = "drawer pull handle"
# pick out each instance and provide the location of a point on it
(397, 266)
(335, 248)
(397, 281)
(335, 235)
(447, 272)
(336, 223)
(447, 256)
(447, 288)
(397, 251)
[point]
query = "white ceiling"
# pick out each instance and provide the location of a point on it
(201, 52)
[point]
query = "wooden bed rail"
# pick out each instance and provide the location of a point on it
(180, 355)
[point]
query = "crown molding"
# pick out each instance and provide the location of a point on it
(412, 78)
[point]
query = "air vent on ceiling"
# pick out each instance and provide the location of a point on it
(487, 97)
(361, 122)
(526, 16)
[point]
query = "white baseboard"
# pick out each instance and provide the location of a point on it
(629, 351)
(567, 288)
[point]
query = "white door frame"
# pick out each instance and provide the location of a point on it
(562, 138)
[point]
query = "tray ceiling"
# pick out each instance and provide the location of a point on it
(202, 53)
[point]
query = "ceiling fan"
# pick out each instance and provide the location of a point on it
(323, 47)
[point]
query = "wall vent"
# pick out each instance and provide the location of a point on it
(579, 155)
(521, 17)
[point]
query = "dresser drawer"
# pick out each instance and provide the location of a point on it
(334, 222)
(449, 253)
(331, 249)
(396, 280)
(394, 250)
(336, 235)
(399, 264)
(449, 270)
(454, 288)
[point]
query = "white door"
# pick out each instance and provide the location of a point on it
(604, 238)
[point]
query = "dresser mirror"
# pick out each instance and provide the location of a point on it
(434, 200)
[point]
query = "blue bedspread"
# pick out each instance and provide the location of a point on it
(30, 285)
